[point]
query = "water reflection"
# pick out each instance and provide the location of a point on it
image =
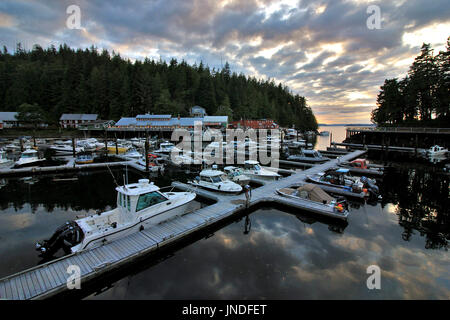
(272, 253)
(422, 201)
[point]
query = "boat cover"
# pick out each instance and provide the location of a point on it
(315, 193)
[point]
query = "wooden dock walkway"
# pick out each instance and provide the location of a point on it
(50, 279)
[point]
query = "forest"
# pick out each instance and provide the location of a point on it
(422, 97)
(65, 80)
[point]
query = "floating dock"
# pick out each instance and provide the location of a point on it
(49, 279)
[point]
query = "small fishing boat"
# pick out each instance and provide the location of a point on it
(4, 161)
(312, 198)
(65, 149)
(297, 144)
(139, 206)
(121, 148)
(236, 175)
(253, 169)
(84, 159)
(153, 163)
(362, 166)
(341, 178)
(29, 157)
(311, 156)
(216, 180)
(436, 150)
(133, 154)
(166, 148)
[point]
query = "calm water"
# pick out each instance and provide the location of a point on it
(337, 134)
(274, 254)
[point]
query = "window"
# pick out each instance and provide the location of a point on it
(128, 203)
(120, 199)
(149, 199)
(216, 179)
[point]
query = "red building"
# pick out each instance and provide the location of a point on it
(254, 124)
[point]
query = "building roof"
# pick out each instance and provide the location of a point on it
(78, 116)
(153, 116)
(222, 119)
(126, 122)
(8, 116)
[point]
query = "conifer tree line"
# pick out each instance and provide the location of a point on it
(66, 80)
(422, 97)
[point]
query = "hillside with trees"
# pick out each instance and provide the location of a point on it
(65, 80)
(421, 98)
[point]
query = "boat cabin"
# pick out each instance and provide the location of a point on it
(335, 176)
(133, 198)
(212, 176)
(359, 163)
(252, 165)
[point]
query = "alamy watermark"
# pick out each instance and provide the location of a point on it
(374, 20)
(374, 280)
(74, 280)
(74, 19)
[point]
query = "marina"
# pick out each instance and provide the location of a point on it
(49, 278)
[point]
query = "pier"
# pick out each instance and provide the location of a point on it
(50, 279)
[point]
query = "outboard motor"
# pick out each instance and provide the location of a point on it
(65, 237)
(371, 187)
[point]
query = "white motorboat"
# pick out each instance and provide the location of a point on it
(312, 198)
(4, 161)
(215, 180)
(139, 206)
(312, 156)
(341, 178)
(436, 151)
(133, 154)
(29, 157)
(166, 148)
(297, 144)
(252, 168)
(65, 148)
(236, 175)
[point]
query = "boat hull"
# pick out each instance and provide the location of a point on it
(314, 207)
(118, 233)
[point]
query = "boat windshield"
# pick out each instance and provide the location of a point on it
(256, 167)
(149, 199)
(28, 155)
(216, 179)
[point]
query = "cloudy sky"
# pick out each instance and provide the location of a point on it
(321, 49)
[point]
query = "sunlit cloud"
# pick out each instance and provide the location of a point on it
(322, 50)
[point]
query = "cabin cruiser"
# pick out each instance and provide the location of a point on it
(312, 198)
(312, 156)
(436, 151)
(253, 169)
(29, 157)
(297, 144)
(215, 180)
(236, 175)
(340, 178)
(166, 148)
(65, 148)
(4, 161)
(139, 206)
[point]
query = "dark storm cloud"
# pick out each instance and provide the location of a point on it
(241, 32)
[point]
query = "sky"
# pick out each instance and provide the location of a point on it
(332, 52)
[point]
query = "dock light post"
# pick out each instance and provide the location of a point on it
(146, 151)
